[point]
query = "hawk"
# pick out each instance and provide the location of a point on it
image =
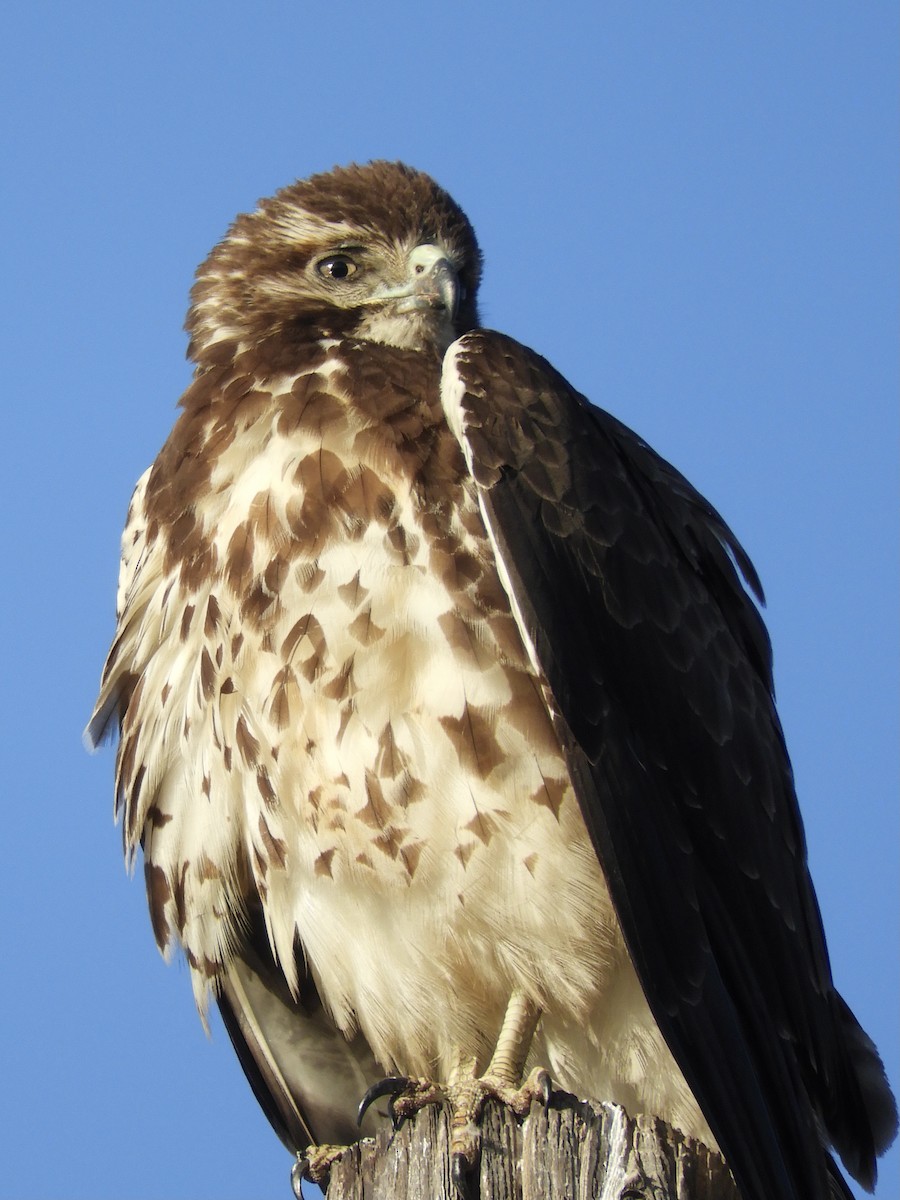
(446, 719)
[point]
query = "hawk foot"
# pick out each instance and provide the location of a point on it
(407, 1096)
(315, 1165)
(468, 1098)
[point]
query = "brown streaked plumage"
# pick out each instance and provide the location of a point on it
(442, 706)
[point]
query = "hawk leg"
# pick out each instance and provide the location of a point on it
(501, 1081)
(467, 1092)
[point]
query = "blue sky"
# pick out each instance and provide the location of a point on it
(688, 207)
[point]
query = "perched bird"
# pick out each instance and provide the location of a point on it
(446, 722)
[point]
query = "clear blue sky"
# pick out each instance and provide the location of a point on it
(688, 207)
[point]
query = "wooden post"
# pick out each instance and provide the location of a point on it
(566, 1150)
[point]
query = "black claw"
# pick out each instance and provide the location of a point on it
(298, 1171)
(396, 1121)
(460, 1174)
(391, 1086)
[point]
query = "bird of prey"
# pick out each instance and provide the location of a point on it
(446, 723)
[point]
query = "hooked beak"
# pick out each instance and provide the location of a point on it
(432, 282)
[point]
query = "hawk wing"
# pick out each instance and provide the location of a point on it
(307, 1077)
(623, 581)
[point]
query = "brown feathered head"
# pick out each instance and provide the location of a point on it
(378, 252)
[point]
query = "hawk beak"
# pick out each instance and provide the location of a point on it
(432, 282)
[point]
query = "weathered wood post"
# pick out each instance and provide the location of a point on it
(567, 1150)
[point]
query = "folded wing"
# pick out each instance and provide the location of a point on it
(627, 586)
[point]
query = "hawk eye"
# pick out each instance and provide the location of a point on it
(337, 266)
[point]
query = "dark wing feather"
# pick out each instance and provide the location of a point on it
(624, 580)
(307, 1077)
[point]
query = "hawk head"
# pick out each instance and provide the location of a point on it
(377, 252)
